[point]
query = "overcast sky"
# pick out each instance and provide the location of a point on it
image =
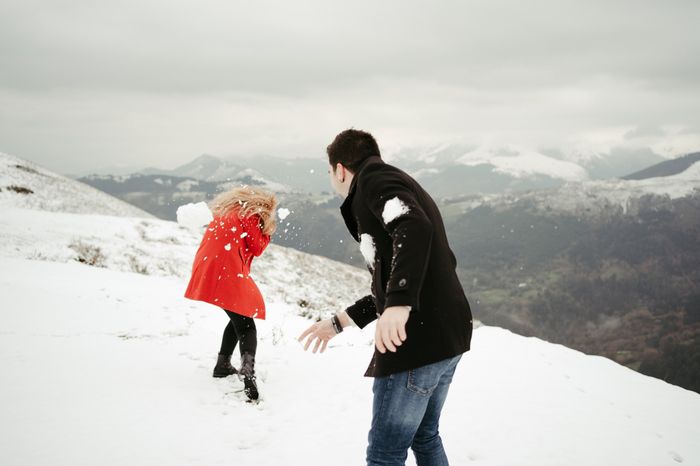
(87, 84)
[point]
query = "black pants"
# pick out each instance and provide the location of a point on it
(240, 329)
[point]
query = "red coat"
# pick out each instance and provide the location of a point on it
(221, 268)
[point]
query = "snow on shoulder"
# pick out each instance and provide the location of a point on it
(367, 248)
(393, 209)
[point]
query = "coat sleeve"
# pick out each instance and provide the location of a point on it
(363, 312)
(255, 240)
(394, 203)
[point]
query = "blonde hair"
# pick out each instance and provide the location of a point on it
(247, 200)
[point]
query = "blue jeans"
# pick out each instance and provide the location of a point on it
(406, 414)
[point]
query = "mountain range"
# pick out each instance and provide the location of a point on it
(445, 170)
(608, 267)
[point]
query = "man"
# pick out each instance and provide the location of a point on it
(424, 320)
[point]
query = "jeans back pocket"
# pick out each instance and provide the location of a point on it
(423, 380)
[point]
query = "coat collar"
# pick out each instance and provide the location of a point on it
(345, 208)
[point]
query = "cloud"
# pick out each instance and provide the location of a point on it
(295, 47)
(160, 82)
(644, 131)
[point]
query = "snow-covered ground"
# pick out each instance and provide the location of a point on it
(108, 364)
(115, 367)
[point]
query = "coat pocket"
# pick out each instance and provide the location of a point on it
(245, 266)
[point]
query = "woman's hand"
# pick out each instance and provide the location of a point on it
(321, 333)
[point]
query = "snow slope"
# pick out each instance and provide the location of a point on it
(159, 247)
(109, 364)
(115, 367)
(42, 189)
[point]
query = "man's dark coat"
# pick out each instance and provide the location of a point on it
(403, 240)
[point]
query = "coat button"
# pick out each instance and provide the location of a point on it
(402, 282)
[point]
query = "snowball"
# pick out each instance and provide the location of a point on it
(393, 209)
(194, 216)
(282, 213)
(367, 248)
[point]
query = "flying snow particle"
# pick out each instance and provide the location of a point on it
(244, 234)
(228, 247)
(393, 209)
(194, 216)
(283, 213)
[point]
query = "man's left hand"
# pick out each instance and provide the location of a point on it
(321, 333)
(391, 328)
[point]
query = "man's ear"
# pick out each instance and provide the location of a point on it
(340, 172)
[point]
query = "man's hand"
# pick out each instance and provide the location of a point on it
(391, 328)
(320, 332)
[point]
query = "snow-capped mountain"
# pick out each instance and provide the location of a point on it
(519, 163)
(278, 173)
(218, 170)
(605, 266)
(97, 350)
(495, 168)
(205, 167)
(666, 168)
(599, 197)
(613, 163)
(27, 185)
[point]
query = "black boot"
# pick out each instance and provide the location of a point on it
(223, 366)
(247, 372)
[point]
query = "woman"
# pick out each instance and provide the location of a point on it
(244, 220)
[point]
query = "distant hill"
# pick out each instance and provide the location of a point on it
(280, 174)
(666, 168)
(606, 267)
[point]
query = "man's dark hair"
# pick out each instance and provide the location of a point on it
(351, 148)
